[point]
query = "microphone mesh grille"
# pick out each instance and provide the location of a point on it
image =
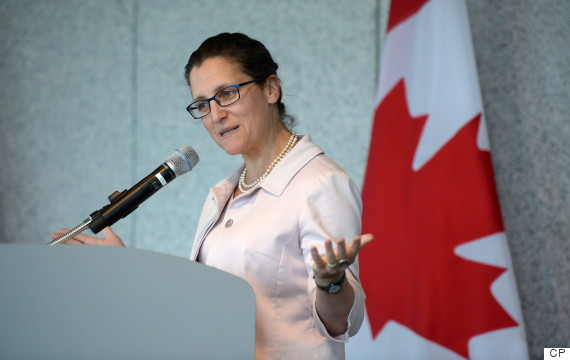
(183, 160)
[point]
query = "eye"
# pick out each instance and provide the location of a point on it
(201, 106)
(227, 93)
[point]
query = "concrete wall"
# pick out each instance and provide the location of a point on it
(93, 99)
(523, 57)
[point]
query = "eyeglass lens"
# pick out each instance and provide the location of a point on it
(224, 97)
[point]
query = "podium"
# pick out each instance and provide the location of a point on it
(91, 302)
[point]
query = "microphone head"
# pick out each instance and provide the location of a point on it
(183, 160)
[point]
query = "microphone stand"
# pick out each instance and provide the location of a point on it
(71, 233)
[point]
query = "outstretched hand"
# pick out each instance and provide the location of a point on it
(330, 267)
(110, 239)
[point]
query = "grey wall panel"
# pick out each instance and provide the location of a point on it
(65, 112)
(524, 68)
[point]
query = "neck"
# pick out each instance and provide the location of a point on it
(244, 187)
(258, 163)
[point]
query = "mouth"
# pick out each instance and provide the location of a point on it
(228, 131)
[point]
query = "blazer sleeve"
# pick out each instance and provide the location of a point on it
(332, 209)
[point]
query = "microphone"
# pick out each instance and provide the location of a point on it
(123, 203)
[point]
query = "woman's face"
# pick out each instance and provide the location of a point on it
(243, 127)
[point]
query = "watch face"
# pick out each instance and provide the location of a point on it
(334, 288)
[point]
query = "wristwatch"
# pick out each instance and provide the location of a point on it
(334, 287)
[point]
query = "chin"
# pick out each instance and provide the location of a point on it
(231, 150)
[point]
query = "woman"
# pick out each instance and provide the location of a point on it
(271, 222)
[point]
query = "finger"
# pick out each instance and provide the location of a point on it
(331, 257)
(341, 251)
(73, 241)
(317, 259)
(86, 239)
(58, 233)
(108, 232)
(354, 248)
(110, 236)
(358, 243)
(79, 241)
(365, 240)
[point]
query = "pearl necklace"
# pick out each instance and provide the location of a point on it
(247, 187)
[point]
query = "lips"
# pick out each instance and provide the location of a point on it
(228, 131)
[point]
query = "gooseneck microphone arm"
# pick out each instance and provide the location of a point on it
(123, 203)
(71, 233)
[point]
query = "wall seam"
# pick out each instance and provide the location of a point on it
(134, 110)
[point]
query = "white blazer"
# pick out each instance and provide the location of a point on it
(264, 236)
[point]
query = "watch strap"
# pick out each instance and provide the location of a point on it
(333, 287)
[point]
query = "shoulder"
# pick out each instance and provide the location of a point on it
(322, 181)
(320, 169)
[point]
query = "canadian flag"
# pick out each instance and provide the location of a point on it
(438, 277)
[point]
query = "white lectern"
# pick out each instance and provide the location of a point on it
(90, 302)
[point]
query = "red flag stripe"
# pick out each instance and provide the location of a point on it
(401, 10)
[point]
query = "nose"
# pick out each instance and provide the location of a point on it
(218, 112)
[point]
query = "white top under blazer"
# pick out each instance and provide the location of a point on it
(264, 236)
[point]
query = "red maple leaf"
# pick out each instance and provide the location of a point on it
(410, 273)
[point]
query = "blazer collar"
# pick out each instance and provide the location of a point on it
(276, 182)
(283, 173)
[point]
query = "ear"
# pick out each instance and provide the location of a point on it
(272, 89)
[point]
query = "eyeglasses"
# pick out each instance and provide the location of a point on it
(225, 97)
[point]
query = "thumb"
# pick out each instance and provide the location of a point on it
(111, 238)
(365, 240)
(108, 232)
